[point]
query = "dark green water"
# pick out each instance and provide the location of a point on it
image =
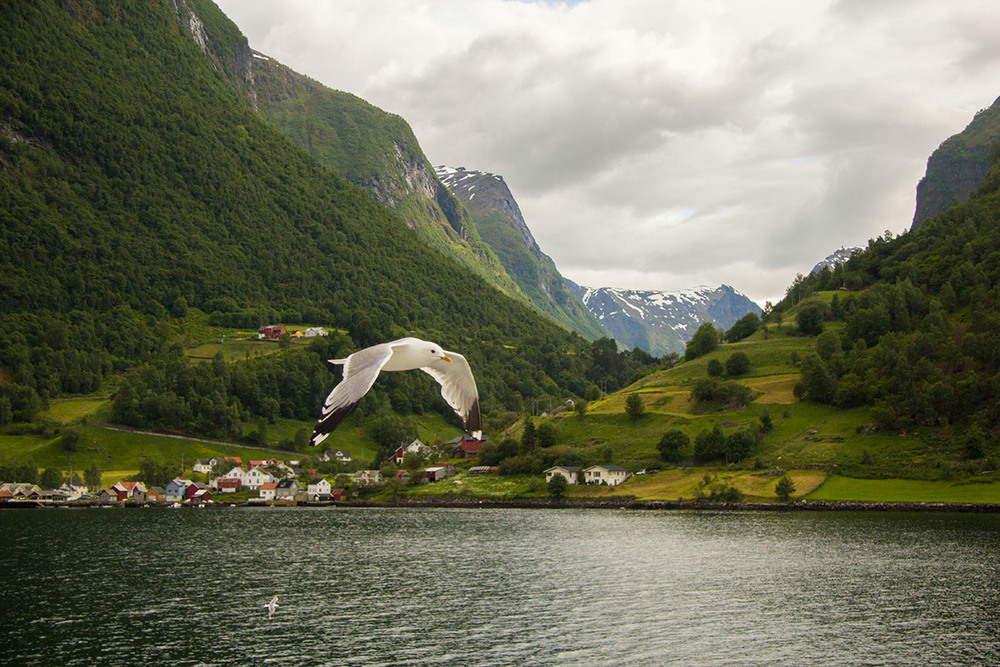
(497, 587)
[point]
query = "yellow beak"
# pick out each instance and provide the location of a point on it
(445, 357)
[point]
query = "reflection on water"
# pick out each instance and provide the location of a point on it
(497, 587)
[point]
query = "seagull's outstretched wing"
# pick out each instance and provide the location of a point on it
(360, 371)
(458, 387)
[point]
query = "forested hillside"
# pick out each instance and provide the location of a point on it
(378, 151)
(921, 340)
(138, 188)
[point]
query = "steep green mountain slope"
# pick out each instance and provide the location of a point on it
(958, 166)
(379, 152)
(137, 185)
(498, 219)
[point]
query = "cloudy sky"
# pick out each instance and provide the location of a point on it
(663, 144)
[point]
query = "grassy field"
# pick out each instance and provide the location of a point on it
(906, 490)
(687, 483)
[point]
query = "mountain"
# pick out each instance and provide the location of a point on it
(958, 166)
(834, 259)
(501, 225)
(377, 151)
(662, 322)
(142, 196)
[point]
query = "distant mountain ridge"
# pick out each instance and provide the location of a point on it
(958, 166)
(662, 322)
(498, 218)
(834, 259)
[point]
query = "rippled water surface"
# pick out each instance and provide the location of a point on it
(497, 587)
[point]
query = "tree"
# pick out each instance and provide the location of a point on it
(743, 328)
(558, 486)
(51, 478)
(634, 406)
(705, 339)
(715, 368)
(671, 444)
(529, 436)
(737, 364)
(809, 319)
(710, 445)
(92, 477)
(784, 488)
(70, 437)
(547, 435)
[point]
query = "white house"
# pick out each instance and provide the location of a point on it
(610, 475)
(256, 477)
(203, 465)
(237, 473)
(367, 478)
(267, 489)
(569, 472)
(287, 489)
(312, 332)
(318, 487)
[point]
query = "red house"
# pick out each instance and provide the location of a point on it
(340, 495)
(271, 332)
(465, 446)
(230, 484)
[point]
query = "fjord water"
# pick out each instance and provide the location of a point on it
(497, 587)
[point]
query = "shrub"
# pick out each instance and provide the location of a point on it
(737, 364)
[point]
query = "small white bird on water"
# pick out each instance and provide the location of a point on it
(450, 369)
(271, 606)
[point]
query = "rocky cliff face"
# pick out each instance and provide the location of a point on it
(663, 322)
(958, 166)
(500, 223)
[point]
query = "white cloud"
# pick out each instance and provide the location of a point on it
(660, 145)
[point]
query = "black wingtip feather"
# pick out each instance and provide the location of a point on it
(326, 425)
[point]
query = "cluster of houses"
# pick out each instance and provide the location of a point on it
(276, 481)
(276, 331)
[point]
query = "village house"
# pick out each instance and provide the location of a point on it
(415, 447)
(107, 497)
(610, 475)
(266, 491)
(335, 455)
(197, 492)
(21, 490)
(465, 446)
(313, 332)
(367, 478)
(438, 473)
(203, 465)
(228, 484)
(318, 487)
(135, 491)
(339, 495)
(72, 491)
(287, 489)
(271, 332)
(571, 473)
(257, 476)
(156, 494)
(176, 489)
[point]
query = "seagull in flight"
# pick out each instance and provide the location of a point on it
(450, 369)
(271, 606)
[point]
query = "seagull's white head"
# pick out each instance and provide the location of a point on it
(436, 351)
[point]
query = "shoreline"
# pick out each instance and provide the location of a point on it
(562, 503)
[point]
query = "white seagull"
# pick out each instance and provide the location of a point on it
(450, 369)
(271, 606)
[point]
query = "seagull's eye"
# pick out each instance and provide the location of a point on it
(434, 351)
